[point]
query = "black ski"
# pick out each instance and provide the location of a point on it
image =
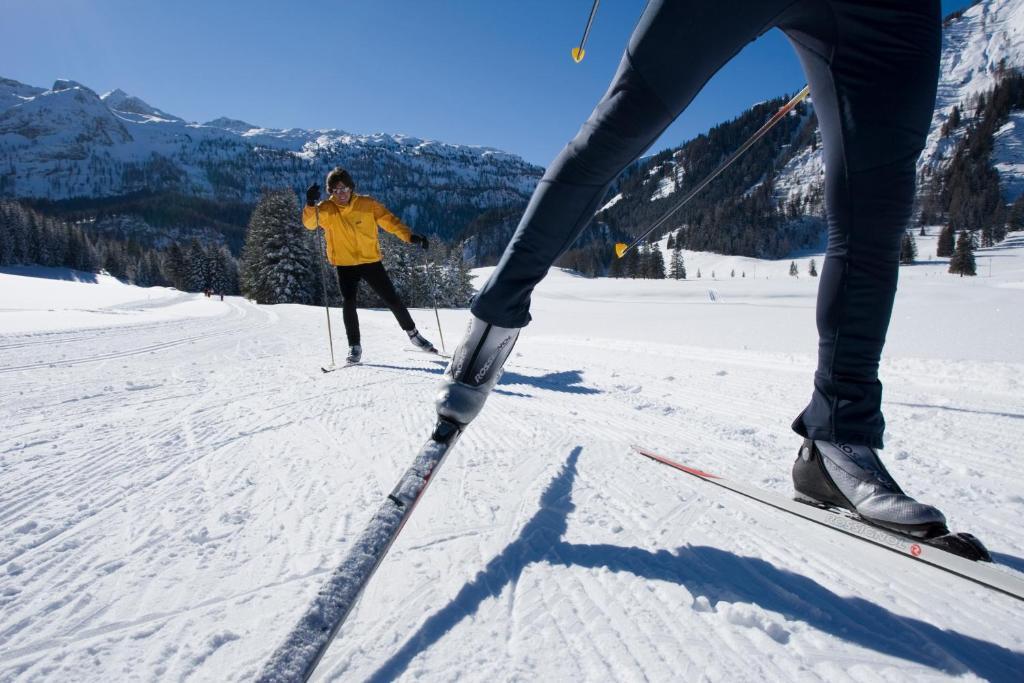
(982, 573)
(297, 657)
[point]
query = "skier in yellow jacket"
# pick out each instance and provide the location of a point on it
(350, 223)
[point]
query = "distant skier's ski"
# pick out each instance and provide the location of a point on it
(297, 657)
(435, 352)
(978, 572)
(332, 368)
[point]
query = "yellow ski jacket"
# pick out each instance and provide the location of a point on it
(351, 229)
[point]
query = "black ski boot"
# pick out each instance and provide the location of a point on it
(853, 478)
(420, 342)
(355, 354)
(475, 368)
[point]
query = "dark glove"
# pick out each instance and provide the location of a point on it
(312, 194)
(419, 240)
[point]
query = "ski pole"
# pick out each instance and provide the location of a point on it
(621, 248)
(323, 280)
(579, 52)
(433, 296)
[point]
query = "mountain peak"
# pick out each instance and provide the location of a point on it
(67, 84)
(234, 125)
(120, 101)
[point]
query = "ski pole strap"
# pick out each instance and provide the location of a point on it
(621, 248)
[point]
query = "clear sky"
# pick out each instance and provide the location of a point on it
(484, 72)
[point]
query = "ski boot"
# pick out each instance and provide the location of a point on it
(420, 342)
(474, 369)
(355, 354)
(831, 474)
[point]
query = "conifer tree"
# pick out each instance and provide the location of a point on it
(962, 261)
(458, 279)
(195, 267)
(219, 271)
(812, 269)
(945, 243)
(174, 267)
(279, 261)
(656, 263)
(632, 264)
(793, 270)
(677, 270)
(1015, 217)
(908, 248)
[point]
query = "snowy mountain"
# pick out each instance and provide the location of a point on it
(980, 44)
(13, 92)
(122, 103)
(977, 46)
(69, 142)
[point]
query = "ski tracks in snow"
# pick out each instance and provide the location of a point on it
(170, 508)
(631, 573)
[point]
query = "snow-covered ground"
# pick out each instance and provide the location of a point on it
(175, 486)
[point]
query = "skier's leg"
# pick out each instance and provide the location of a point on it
(377, 277)
(873, 73)
(676, 47)
(348, 280)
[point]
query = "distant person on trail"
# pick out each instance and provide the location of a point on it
(350, 223)
(873, 70)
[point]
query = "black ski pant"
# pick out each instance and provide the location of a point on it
(872, 66)
(375, 276)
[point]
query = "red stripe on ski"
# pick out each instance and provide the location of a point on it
(672, 463)
(979, 572)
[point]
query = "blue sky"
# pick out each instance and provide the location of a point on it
(468, 71)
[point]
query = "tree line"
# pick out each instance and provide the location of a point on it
(28, 237)
(965, 197)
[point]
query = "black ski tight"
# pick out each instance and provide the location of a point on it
(377, 278)
(872, 66)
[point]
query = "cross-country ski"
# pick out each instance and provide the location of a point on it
(945, 557)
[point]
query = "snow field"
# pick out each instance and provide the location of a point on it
(174, 490)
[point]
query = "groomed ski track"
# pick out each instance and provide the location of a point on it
(173, 494)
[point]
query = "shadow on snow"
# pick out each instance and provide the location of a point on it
(566, 381)
(719, 576)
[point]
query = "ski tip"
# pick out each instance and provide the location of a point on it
(672, 463)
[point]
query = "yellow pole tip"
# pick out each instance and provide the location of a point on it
(620, 249)
(577, 54)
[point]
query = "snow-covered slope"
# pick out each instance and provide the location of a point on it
(12, 93)
(985, 39)
(175, 487)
